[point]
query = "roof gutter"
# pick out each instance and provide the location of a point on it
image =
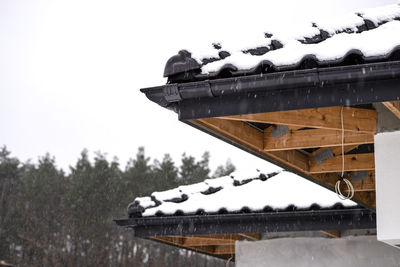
(310, 220)
(298, 89)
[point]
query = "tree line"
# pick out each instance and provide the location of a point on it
(51, 218)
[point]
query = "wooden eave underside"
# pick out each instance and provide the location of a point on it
(335, 128)
(218, 245)
(319, 129)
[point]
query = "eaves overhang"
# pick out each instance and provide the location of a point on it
(281, 91)
(310, 220)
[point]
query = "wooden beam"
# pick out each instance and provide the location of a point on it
(237, 130)
(366, 184)
(206, 249)
(354, 119)
(205, 241)
(314, 138)
(332, 233)
(216, 250)
(394, 107)
(352, 162)
(291, 159)
(175, 240)
(254, 237)
(364, 197)
(249, 137)
(230, 249)
(220, 236)
(336, 150)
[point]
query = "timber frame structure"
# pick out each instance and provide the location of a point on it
(301, 120)
(294, 118)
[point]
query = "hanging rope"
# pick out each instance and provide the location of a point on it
(350, 188)
(228, 261)
(231, 258)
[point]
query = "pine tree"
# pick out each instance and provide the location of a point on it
(48, 218)
(9, 176)
(165, 173)
(224, 170)
(192, 171)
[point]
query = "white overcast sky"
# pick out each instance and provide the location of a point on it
(70, 71)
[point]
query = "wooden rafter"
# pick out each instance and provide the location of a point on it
(217, 250)
(251, 236)
(355, 119)
(221, 236)
(353, 162)
(210, 244)
(364, 197)
(314, 138)
(329, 179)
(394, 107)
(206, 241)
(367, 184)
(224, 250)
(336, 150)
(251, 139)
(332, 233)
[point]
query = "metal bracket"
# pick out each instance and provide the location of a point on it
(324, 155)
(171, 93)
(280, 131)
(358, 176)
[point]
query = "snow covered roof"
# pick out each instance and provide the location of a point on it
(368, 35)
(239, 192)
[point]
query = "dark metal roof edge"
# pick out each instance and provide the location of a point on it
(183, 95)
(352, 218)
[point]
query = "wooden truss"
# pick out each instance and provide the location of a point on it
(324, 130)
(309, 142)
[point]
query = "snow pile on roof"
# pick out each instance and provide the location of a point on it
(372, 32)
(381, 14)
(238, 192)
